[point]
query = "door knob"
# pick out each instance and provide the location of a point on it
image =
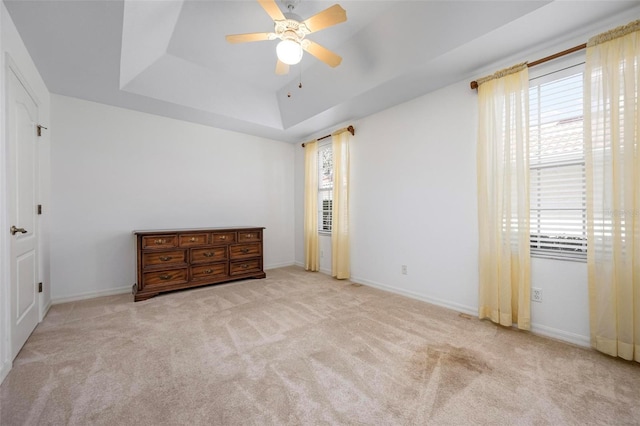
(15, 230)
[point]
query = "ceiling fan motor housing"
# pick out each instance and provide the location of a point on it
(290, 29)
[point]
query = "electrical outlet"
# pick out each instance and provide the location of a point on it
(404, 269)
(536, 295)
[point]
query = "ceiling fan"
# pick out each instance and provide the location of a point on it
(292, 30)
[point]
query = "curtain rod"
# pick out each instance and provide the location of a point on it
(474, 84)
(349, 129)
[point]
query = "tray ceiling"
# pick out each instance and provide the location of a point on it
(171, 58)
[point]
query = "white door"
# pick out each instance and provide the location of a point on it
(22, 115)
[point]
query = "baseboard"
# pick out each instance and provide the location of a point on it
(322, 270)
(45, 310)
(470, 310)
(92, 294)
(4, 370)
(542, 330)
(278, 265)
(565, 336)
(127, 289)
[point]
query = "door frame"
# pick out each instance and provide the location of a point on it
(6, 361)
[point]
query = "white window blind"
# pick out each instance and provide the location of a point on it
(557, 166)
(325, 186)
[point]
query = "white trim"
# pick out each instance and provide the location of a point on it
(538, 329)
(126, 289)
(13, 67)
(45, 310)
(4, 370)
(322, 270)
(565, 336)
(92, 294)
(434, 301)
(5, 277)
(278, 265)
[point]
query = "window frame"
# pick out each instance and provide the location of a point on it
(322, 146)
(547, 73)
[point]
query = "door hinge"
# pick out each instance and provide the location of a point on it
(40, 127)
(39, 287)
(39, 208)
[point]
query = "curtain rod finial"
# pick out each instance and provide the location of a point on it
(351, 130)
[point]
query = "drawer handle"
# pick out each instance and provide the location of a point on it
(209, 254)
(160, 241)
(165, 258)
(208, 271)
(193, 239)
(245, 266)
(165, 277)
(244, 250)
(222, 237)
(249, 235)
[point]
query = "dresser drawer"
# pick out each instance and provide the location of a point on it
(159, 241)
(242, 251)
(193, 240)
(223, 237)
(208, 255)
(249, 236)
(163, 278)
(246, 267)
(206, 272)
(168, 258)
(175, 259)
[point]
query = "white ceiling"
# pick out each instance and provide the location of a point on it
(171, 58)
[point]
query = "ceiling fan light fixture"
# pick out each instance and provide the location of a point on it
(289, 51)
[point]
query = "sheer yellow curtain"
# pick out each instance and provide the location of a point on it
(340, 255)
(612, 124)
(311, 252)
(503, 197)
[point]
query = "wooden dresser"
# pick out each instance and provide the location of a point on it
(174, 259)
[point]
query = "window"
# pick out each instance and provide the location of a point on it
(325, 186)
(557, 166)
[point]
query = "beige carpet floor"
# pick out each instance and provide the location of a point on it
(301, 348)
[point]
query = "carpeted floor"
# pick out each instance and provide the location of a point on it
(301, 348)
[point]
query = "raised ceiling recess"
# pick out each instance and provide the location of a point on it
(172, 58)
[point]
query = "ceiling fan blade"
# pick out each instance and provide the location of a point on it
(328, 17)
(322, 53)
(244, 38)
(271, 7)
(282, 68)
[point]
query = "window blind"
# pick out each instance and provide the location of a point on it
(557, 167)
(325, 187)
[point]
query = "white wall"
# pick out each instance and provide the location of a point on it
(413, 199)
(116, 170)
(12, 50)
(413, 202)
